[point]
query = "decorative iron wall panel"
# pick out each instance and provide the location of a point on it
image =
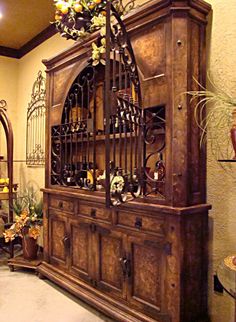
(35, 133)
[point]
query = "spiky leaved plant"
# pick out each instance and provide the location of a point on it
(213, 114)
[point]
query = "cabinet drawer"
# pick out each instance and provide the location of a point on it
(140, 222)
(89, 210)
(62, 204)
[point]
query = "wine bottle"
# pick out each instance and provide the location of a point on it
(159, 172)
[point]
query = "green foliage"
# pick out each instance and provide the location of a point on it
(221, 105)
(28, 200)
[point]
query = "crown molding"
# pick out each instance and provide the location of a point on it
(9, 52)
(30, 45)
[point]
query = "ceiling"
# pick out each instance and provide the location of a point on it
(23, 20)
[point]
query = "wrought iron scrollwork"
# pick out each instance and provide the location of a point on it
(35, 144)
(124, 115)
(73, 162)
(154, 139)
(131, 138)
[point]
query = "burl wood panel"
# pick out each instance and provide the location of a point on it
(146, 274)
(80, 244)
(152, 42)
(110, 252)
(57, 234)
(150, 54)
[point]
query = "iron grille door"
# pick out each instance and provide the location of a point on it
(123, 115)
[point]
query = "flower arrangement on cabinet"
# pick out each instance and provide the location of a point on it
(28, 217)
(76, 19)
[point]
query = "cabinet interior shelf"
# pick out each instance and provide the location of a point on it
(5, 161)
(99, 138)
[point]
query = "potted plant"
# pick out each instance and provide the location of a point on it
(218, 121)
(27, 223)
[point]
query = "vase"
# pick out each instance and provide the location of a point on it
(30, 247)
(233, 132)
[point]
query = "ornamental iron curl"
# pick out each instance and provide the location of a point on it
(73, 161)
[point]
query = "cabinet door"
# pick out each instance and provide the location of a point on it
(146, 276)
(59, 240)
(81, 260)
(110, 251)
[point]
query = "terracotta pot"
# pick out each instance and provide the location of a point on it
(30, 247)
(233, 132)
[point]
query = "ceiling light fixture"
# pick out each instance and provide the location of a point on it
(1, 15)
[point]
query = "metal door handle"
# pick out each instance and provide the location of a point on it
(93, 212)
(60, 205)
(126, 266)
(66, 242)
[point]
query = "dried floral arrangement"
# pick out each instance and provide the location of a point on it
(28, 216)
(76, 19)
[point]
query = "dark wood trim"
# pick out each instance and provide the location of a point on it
(30, 45)
(37, 40)
(9, 52)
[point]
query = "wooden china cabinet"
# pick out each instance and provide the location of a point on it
(126, 220)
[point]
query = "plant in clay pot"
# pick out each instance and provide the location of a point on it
(28, 220)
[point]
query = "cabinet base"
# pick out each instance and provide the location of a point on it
(101, 302)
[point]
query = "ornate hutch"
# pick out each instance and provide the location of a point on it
(126, 220)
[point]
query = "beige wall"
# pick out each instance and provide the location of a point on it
(16, 80)
(28, 68)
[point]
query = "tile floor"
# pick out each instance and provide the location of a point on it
(26, 298)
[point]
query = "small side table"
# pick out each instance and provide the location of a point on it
(226, 273)
(19, 261)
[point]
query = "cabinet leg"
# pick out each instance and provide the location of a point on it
(11, 249)
(40, 276)
(11, 268)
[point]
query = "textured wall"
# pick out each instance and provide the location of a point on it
(221, 184)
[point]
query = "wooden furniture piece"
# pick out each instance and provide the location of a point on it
(145, 259)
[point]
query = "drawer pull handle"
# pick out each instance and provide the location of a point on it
(60, 205)
(138, 223)
(93, 213)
